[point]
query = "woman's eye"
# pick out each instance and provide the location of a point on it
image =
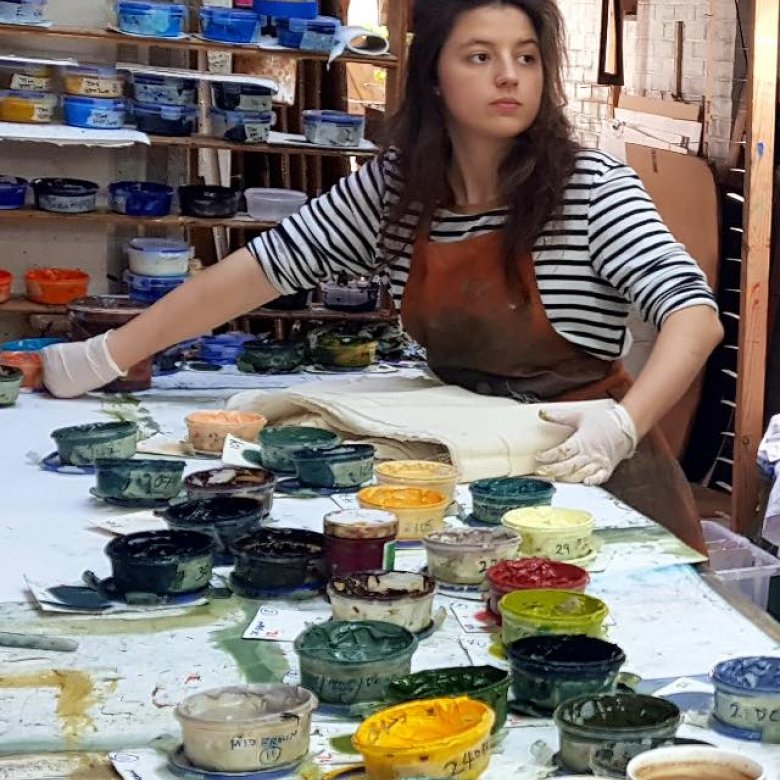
(527, 59)
(479, 57)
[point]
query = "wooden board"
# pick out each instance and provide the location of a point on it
(673, 109)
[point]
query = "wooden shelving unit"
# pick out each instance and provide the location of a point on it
(20, 305)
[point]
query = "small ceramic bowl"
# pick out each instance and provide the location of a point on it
(139, 480)
(493, 498)
(208, 430)
(344, 351)
(552, 532)
(462, 556)
(271, 357)
(80, 445)
(280, 443)
(700, 762)
(401, 597)
(10, 382)
(419, 512)
(426, 474)
(233, 481)
(345, 466)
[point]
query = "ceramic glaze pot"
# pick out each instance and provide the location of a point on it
(340, 350)
(233, 482)
(359, 540)
(280, 443)
(493, 498)
(224, 519)
(419, 512)
(345, 662)
(207, 430)
(79, 445)
(271, 357)
(147, 479)
(403, 598)
(278, 558)
(684, 762)
(10, 382)
(463, 556)
(483, 683)
(433, 738)
(344, 466)
(549, 670)
(161, 562)
(425, 474)
(590, 723)
(245, 728)
(552, 532)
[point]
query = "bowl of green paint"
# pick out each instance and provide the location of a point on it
(10, 382)
(280, 443)
(344, 466)
(138, 480)
(493, 498)
(271, 357)
(80, 445)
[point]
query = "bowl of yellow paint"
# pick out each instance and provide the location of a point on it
(551, 532)
(419, 511)
(426, 474)
(446, 737)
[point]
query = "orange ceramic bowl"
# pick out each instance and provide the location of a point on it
(56, 285)
(208, 430)
(30, 363)
(5, 286)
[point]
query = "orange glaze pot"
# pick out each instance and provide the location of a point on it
(29, 363)
(419, 511)
(6, 280)
(56, 285)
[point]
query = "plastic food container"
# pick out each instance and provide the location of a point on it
(10, 381)
(247, 728)
(25, 355)
(287, 9)
(27, 78)
(94, 113)
(429, 738)
(150, 88)
(170, 120)
(551, 532)
(493, 498)
(197, 200)
(230, 25)
(359, 540)
(156, 20)
(6, 280)
(98, 81)
(345, 466)
(333, 128)
(318, 34)
(29, 107)
(142, 199)
(233, 482)
(23, 11)
(244, 127)
(138, 479)
(419, 512)
(426, 474)
(280, 443)
(463, 556)
(273, 205)
(148, 289)
(234, 96)
(56, 285)
(13, 191)
(207, 430)
(162, 257)
(65, 196)
(80, 445)
(403, 598)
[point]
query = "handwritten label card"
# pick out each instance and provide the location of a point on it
(281, 625)
(474, 618)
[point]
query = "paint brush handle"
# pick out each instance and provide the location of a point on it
(38, 642)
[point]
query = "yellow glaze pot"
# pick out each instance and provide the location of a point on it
(29, 107)
(208, 430)
(551, 532)
(419, 511)
(429, 738)
(425, 474)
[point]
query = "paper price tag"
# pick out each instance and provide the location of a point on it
(281, 625)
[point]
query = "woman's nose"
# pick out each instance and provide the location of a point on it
(506, 73)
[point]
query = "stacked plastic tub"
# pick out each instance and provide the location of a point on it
(156, 266)
(298, 24)
(93, 97)
(165, 105)
(242, 112)
(26, 90)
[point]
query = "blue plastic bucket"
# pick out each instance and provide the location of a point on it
(230, 25)
(94, 113)
(156, 20)
(147, 289)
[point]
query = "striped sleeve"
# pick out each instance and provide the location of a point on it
(634, 251)
(337, 232)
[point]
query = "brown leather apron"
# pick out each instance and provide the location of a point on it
(487, 331)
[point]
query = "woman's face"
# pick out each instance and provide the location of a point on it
(490, 74)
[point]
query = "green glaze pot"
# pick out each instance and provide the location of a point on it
(493, 498)
(334, 350)
(280, 443)
(271, 357)
(10, 382)
(151, 478)
(161, 562)
(348, 662)
(484, 683)
(80, 445)
(346, 466)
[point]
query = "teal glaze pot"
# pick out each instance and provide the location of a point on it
(484, 683)
(10, 382)
(493, 498)
(549, 670)
(161, 562)
(345, 466)
(631, 721)
(280, 443)
(345, 662)
(233, 482)
(80, 445)
(271, 357)
(149, 478)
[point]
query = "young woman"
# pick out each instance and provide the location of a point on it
(514, 256)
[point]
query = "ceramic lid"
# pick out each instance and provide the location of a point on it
(360, 524)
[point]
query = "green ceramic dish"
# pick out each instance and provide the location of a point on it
(493, 498)
(80, 445)
(152, 478)
(335, 350)
(10, 382)
(280, 443)
(347, 466)
(272, 357)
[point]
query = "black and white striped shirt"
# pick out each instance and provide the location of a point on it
(607, 251)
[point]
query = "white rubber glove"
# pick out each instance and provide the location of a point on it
(603, 437)
(73, 369)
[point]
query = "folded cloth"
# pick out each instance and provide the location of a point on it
(420, 418)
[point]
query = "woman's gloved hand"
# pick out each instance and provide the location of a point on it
(603, 437)
(73, 369)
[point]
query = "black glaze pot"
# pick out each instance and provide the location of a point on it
(233, 482)
(278, 558)
(65, 196)
(161, 562)
(196, 200)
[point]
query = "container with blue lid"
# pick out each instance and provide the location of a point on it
(97, 81)
(29, 345)
(152, 88)
(288, 9)
(250, 127)
(166, 119)
(317, 34)
(140, 198)
(13, 191)
(23, 11)
(235, 96)
(147, 289)
(223, 349)
(152, 19)
(333, 128)
(230, 25)
(94, 113)
(159, 257)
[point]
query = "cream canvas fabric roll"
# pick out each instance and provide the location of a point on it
(483, 436)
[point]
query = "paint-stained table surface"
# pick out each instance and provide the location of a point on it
(118, 690)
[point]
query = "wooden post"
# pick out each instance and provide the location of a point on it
(760, 159)
(397, 25)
